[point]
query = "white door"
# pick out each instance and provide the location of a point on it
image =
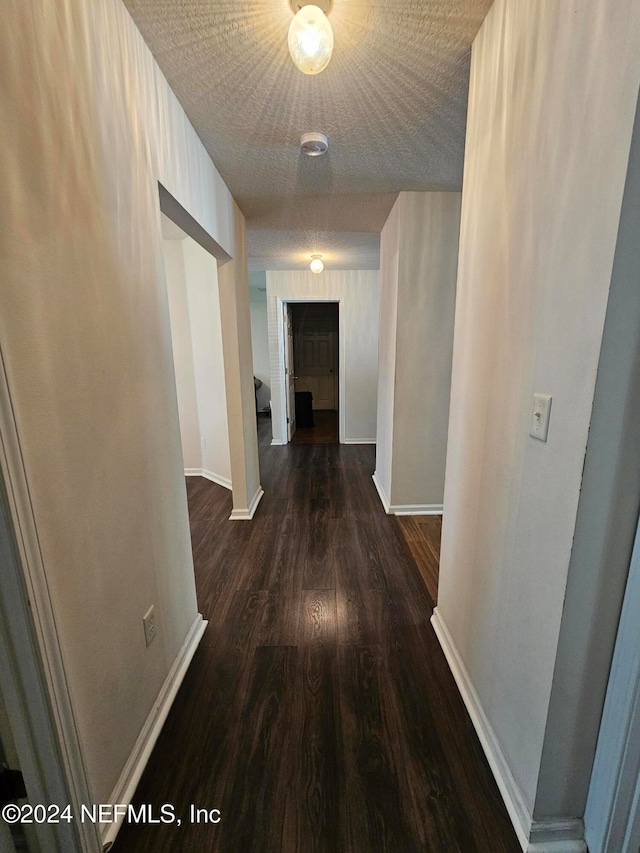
(289, 375)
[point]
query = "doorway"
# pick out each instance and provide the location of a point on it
(312, 370)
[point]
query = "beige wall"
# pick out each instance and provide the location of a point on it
(260, 345)
(182, 352)
(388, 329)
(233, 285)
(88, 126)
(605, 532)
(418, 288)
(552, 99)
(201, 275)
(196, 334)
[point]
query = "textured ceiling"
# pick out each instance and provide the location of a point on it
(392, 101)
(292, 249)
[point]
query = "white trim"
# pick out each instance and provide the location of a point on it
(557, 836)
(611, 816)
(415, 509)
(381, 492)
(282, 378)
(208, 475)
(511, 794)
(46, 688)
(552, 836)
(216, 478)
(342, 374)
(275, 442)
(127, 783)
(281, 301)
(359, 441)
(564, 845)
(247, 514)
(25, 699)
(403, 509)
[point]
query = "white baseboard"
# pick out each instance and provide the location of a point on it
(553, 836)
(557, 836)
(247, 514)
(511, 794)
(404, 509)
(415, 509)
(381, 492)
(208, 475)
(359, 441)
(216, 478)
(133, 769)
(276, 442)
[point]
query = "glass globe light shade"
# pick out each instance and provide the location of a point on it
(316, 265)
(310, 40)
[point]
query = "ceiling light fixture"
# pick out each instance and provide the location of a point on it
(310, 39)
(316, 264)
(314, 144)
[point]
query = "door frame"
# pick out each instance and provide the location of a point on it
(612, 814)
(32, 674)
(281, 302)
(289, 368)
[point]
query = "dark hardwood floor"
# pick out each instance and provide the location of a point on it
(324, 430)
(319, 713)
(422, 534)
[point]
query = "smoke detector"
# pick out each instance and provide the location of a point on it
(314, 144)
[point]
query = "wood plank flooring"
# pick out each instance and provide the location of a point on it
(422, 534)
(324, 431)
(319, 713)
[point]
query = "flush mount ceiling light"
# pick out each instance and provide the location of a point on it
(310, 38)
(316, 264)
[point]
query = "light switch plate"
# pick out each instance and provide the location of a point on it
(539, 426)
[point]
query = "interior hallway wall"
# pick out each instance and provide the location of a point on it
(233, 287)
(419, 258)
(552, 100)
(88, 126)
(196, 334)
(358, 291)
(182, 347)
(605, 531)
(201, 275)
(260, 336)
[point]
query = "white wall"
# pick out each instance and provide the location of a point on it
(605, 531)
(260, 342)
(233, 287)
(419, 246)
(358, 291)
(85, 338)
(201, 275)
(182, 352)
(196, 333)
(552, 99)
(388, 329)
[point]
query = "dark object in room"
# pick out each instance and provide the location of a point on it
(304, 409)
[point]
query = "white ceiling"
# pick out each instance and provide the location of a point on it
(392, 101)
